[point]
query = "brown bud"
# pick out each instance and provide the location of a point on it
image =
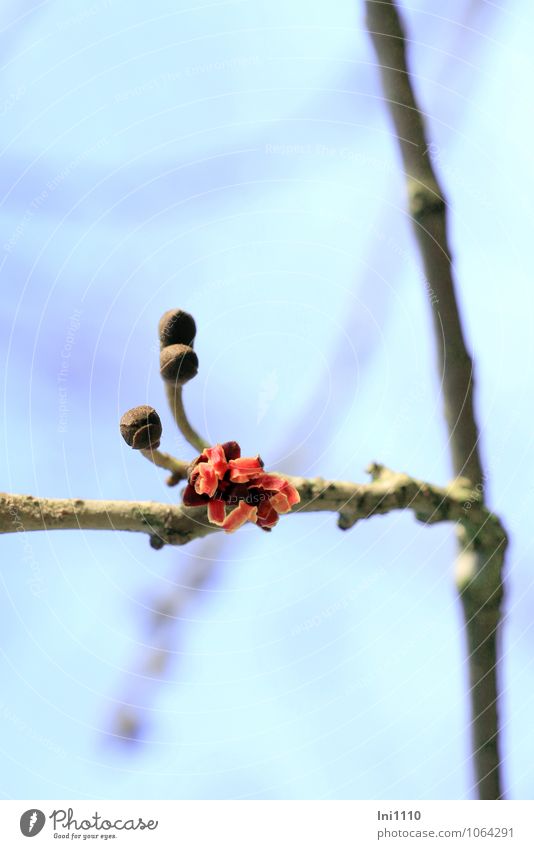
(176, 327)
(156, 542)
(178, 363)
(141, 427)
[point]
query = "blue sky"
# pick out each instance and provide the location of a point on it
(235, 159)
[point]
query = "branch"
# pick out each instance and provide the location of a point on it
(427, 208)
(166, 618)
(176, 525)
(170, 523)
(480, 562)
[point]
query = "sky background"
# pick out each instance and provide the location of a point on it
(235, 159)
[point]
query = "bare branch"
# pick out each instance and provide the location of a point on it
(480, 562)
(171, 523)
(175, 525)
(427, 208)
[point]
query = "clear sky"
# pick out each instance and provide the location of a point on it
(235, 159)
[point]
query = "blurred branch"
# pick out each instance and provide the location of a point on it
(153, 661)
(177, 525)
(480, 562)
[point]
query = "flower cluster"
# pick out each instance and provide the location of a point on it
(220, 478)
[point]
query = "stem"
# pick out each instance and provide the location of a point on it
(178, 468)
(479, 565)
(175, 397)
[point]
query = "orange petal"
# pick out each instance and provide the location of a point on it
(205, 480)
(279, 484)
(291, 494)
(245, 469)
(216, 511)
(217, 459)
(280, 503)
(242, 513)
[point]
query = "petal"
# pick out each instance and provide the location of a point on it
(192, 466)
(191, 498)
(231, 450)
(275, 482)
(279, 484)
(217, 459)
(267, 516)
(216, 511)
(279, 502)
(242, 513)
(292, 494)
(245, 469)
(205, 479)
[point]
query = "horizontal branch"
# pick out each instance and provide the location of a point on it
(175, 524)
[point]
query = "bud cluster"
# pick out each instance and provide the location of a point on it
(178, 362)
(141, 426)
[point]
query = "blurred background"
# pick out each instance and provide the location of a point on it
(235, 159)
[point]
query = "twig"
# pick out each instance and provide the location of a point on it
(177, 525)
(176, 402)
(178, 468)
(480, 562)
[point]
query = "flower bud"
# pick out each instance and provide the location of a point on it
(176, 327)
(141, 427)
(156, 542)
(178, 364)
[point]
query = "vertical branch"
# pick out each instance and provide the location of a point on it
(428, 210)
(479, 568)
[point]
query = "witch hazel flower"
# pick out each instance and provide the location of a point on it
(236, 489)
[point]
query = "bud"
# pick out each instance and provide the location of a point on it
(156, 542)
(141, 427)
(178, 364)
(176, 327)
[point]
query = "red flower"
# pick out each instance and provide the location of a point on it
(220, 478)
